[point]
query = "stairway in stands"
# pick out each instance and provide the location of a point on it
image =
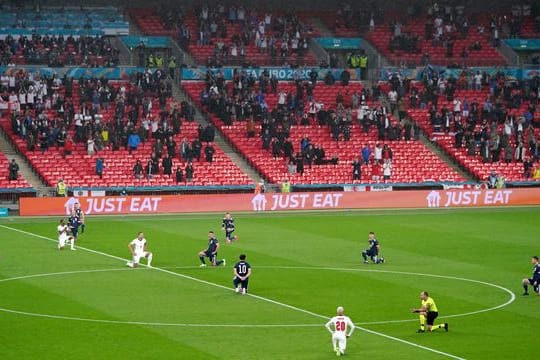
(25, 169)
(234, 156)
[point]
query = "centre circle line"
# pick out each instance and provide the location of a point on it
(63, 317)
(508, 302)
(121, 322)
(383, 322)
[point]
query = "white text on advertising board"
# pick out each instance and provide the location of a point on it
(122, 205)
(466, 198)
(296, 201)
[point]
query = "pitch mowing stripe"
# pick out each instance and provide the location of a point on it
(512, 298)
(142, 323)
(326, 318)
(121, 322)
(508, 302)
(283, 213)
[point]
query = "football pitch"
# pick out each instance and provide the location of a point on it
(87, 304)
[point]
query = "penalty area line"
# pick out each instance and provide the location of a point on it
(261, 298)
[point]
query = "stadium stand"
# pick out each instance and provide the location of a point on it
(60, 37)
(62, 21)
(97, 112)
(345, 22)
(522, 21)
(411, 163)
(436, 40)
(485, 140)
(151, 23)
(233, 36)
(5, 183)
(443, 36)
(58, 51)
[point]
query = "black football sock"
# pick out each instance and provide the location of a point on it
(202, 259)
(526, 288)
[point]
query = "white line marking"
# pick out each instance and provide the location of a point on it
(104, 321)
(63, 317)
(512, 298)
(254, 296)
(508, 302)
(512, 295)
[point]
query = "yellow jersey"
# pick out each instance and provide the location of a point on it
(61, 189)
(429, 305)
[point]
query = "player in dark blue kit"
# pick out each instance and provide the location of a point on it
(373, 250)
(228, 225)
(242, 272)
(74, 222)
(534, 281)
(80, 214)
(211, 251)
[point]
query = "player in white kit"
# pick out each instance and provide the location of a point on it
(64, 236)
(343, 327)
(138, 250)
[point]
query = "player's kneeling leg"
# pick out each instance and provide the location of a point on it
(236, 284)
(71, 241)
(135, 262)
(61, 243)
(526, 284)
(364, 256)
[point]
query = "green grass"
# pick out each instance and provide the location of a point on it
(304, 265)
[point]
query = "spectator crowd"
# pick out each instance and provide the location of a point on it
(58, 51)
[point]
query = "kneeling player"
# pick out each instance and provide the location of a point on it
(534, 281)
(428, 313)
(80, 214)
(242, 272)
(228, 225)
(373, 250)
(340, 334)
(211, 251)
(138, 250)
(64, 236)
(74, 222)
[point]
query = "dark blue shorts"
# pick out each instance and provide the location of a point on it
(371, 252)
(237, 281)
(210, 256)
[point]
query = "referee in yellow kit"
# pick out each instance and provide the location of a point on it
(428, 313)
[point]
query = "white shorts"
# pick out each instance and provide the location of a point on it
(62, 239)
(339, 340)
(137, 257)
